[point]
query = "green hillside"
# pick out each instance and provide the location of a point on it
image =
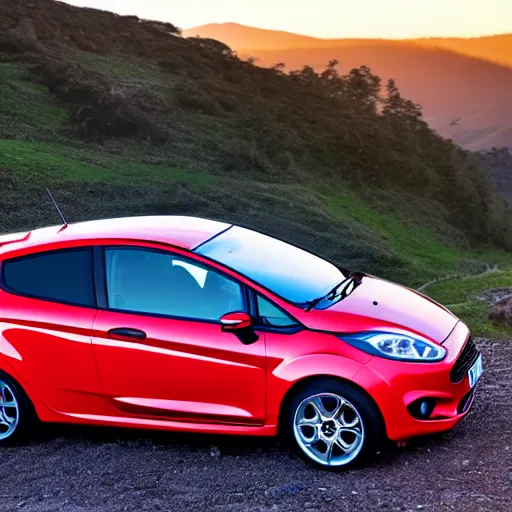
(120, 116)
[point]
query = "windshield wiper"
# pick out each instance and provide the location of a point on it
(341, 289)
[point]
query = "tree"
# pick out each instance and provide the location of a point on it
(306, 75)
(330, 73)
(397, 108)
(279, 68)
(363, 89)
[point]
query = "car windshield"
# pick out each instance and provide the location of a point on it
(291, 273)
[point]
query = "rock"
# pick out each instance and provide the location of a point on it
(215, 452)
(502, 310)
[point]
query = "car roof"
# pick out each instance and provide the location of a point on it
(180, 231)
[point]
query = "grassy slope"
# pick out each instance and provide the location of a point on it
(405, 243)
(462, 297)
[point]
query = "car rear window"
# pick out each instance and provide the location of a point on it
(61, 276)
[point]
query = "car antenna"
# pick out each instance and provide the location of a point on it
(64, 222)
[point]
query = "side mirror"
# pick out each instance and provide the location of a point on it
(235, 321)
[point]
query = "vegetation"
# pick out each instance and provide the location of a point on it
(464, 298)
(121, 116)
(498, 161)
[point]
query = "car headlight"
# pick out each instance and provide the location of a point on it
(396, 346)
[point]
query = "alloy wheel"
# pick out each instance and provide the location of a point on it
(9, 411)
(329, 429)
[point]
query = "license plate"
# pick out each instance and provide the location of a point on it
(475, 372)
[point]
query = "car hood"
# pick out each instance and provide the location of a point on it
(380, 304)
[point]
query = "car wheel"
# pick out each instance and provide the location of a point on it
(334, 424)
(16, 411)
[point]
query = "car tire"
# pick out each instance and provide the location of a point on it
(333, 424)
(19, 416)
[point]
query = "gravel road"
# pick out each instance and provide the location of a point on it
(77, 469)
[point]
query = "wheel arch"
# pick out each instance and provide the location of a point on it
(302, 383)
(21, 388)
(8, 370)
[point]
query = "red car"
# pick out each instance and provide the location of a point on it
(181, 323)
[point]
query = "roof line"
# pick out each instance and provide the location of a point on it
(194, 249)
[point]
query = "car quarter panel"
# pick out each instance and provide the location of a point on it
(48, 346)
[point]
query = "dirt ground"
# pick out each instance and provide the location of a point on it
(76, 469)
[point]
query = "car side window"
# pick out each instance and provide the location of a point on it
(272, 316)
(61, 276)
(161, 283)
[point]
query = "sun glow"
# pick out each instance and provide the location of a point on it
(330, 18)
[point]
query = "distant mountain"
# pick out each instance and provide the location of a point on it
(242, 37)
(490, 127)
(463, 85)
(497, 49)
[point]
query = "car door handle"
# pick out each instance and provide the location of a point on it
(123, 333)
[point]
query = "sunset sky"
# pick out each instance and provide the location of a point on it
(330, 18)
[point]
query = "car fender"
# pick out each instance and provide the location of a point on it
(291, 372)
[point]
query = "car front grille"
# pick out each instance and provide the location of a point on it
(466, 360)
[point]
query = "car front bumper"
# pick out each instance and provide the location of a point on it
(397, 387)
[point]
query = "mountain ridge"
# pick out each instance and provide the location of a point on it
(452, 86)
(232, 30)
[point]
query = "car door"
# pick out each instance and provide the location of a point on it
(158, 342)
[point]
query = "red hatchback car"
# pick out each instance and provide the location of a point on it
(181, 323)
